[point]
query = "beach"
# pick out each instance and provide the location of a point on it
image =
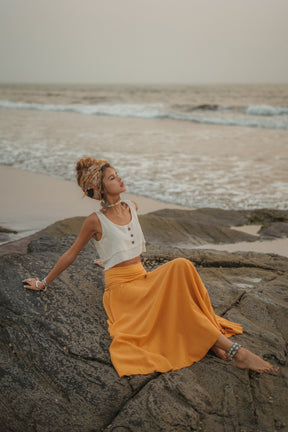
(39, 200)
(175, 146)
(195, 146)
(207, 167)
(188, 102)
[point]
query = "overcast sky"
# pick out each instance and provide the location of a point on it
(144, 41)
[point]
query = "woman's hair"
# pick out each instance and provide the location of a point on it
(82, 167)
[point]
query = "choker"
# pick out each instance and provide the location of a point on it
(112, 205)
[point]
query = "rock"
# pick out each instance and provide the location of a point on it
(58, 229)
(275, 230)
(5, 234)
(7, 230)
(209, 107)
(184, 228)
(56, 373)
(261, 216)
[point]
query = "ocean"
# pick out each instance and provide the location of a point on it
(220, 146)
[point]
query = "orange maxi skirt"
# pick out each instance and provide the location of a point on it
(162, 320)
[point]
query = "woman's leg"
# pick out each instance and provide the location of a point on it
(244, 358)
(221, 353)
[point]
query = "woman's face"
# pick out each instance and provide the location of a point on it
(112, 182)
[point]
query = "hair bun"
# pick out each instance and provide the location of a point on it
(89, 176)
(85, 163)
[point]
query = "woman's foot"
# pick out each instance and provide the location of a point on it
(221, 353)
(245, 359)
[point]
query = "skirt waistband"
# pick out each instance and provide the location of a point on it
(117, 275)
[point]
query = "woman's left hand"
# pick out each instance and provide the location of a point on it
(33, 284)
(99, 263)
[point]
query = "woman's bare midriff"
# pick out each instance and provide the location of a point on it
(128, 262)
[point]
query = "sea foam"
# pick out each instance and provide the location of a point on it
(266, 110)
(276, 117)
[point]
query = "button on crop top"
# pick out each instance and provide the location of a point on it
(119, 242)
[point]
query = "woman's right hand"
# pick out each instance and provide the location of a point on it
(33, 284)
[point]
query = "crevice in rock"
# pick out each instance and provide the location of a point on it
(230, 411)
(251, 377)
(126, 401)
(151, 261)
(87, 359)
(234, 303)
(69, 354)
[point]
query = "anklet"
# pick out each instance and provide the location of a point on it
(234, 350)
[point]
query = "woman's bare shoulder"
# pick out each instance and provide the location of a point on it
(128, 203)
(93, 221)
(92, 216)
(91, 227)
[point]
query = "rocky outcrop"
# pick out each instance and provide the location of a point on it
(184, 228)
(56, 373)
(275, 230)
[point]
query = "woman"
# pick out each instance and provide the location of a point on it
(158, 321)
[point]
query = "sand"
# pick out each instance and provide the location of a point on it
(31, 201)
(279, 247)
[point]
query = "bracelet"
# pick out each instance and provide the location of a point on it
(45, 284)
(41, 289)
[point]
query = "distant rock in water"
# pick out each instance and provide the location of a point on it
(208, 107)
(190, 108)
(5, 234)
(56, 373)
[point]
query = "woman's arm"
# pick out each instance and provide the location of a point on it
(89, 228)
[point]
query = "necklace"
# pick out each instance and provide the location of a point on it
(113, 205)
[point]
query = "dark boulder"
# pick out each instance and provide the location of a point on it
(56, 373)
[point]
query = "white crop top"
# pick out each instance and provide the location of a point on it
(119, 242)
